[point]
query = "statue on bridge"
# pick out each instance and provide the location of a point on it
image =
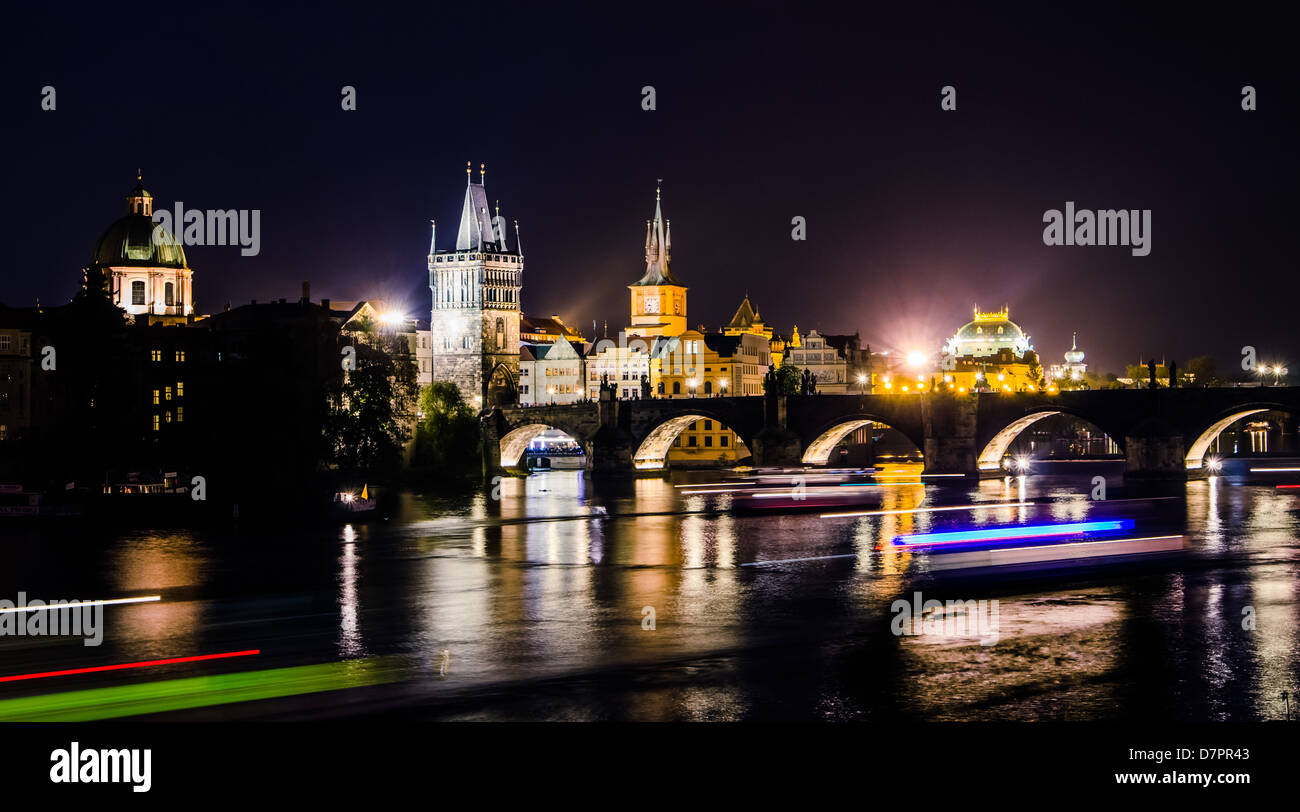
(1151, 367)
(770, 384)
(808, 382)
(645, 387)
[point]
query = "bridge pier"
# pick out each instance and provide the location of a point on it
(775, 445)
(1155, 450)
(950, 435)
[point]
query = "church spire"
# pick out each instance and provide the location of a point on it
(658, 247)
(433, 238)
(476, 226)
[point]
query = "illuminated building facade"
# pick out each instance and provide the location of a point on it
(551, 373)
(1071, 374)
(990, 353)
(474, 323)
(824, 360)
(141, 267)
(658, 300)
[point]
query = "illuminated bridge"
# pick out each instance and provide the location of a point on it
(1162, 432)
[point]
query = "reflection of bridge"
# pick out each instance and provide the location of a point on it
(1162, 431)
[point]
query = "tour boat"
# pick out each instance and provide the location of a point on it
(348, 505)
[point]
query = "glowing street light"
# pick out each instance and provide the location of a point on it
(916, 359)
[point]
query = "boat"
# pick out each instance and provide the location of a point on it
(554, 451)
(349, 505)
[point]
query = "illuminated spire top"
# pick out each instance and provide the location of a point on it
(477, 227)
(658, 247)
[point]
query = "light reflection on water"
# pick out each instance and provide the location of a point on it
(530, 586)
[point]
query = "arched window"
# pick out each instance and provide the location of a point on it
(677, 387)
(137, 292)
(708, 387)
(501, 335)
(168, 296)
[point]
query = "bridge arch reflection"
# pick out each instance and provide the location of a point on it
(819, 450)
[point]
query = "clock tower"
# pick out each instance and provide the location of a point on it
(658, 299)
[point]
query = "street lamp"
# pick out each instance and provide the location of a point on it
(722, 383)
(862, 382)
(692, 384)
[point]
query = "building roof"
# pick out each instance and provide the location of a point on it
(724, 345)
(136, 241)
(658, 250)
(746, 316)
(548, 326)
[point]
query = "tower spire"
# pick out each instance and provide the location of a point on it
(467, 173)
(519, 244)
(433, 239)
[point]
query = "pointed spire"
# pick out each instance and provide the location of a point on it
(519, 244)
(658, 244)
(467, 172)
(433, 239)
(482, 174)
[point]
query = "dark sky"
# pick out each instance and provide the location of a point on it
(765, 111)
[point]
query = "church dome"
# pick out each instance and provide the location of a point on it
(136, 241)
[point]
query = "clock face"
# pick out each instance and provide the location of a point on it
(652, 304)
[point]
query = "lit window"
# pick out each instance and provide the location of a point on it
(167, 393)
(180, 356)
(180, 389)
(169, 416)
(180, 415)
(155, 355)
(155, 422)
(137, 293)
(155, 397)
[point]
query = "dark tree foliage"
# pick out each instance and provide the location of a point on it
(447, 434)
(372, 413)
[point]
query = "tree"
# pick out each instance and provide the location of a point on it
(447, 435)
(1204, 371)
(371, 418)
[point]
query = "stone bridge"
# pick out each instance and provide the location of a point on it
(1163, 432)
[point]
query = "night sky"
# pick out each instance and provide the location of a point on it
(765, 111)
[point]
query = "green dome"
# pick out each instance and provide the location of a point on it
(136, 241)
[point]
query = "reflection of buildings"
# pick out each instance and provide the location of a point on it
(475, 318)
(990, 353)
(1069, 375)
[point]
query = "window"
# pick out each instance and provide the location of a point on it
(4, 342)
(180, 356)
(446, 342)
(708, 387)
(167, 393)
(708, 442)
(464, 342)
(690, 441)
(169, 416)
(155, 422)
(155, 355)
(180, 389)
(155, 397)
(4, 432)
(137, 293)
(180, 416)
(722, 441)
(168, 298)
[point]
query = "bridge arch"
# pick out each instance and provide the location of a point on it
(515, 443)
(819, 450)
(652, 452)
(1196, 451)
(990, 456)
